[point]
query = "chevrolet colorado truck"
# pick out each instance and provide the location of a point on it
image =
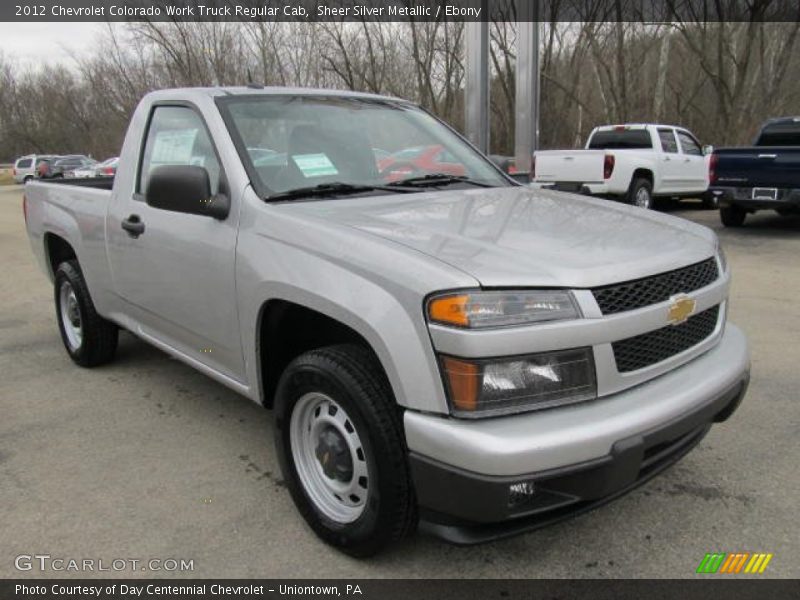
(454, 351)
(765, 176)
(635, 163)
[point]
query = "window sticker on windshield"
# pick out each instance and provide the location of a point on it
(173, 147)
(314, 165)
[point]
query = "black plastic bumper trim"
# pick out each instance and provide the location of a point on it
(787, 198)
(468, 508)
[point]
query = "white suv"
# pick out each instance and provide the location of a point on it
(25, 167)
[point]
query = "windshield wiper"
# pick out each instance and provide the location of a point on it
(332, 189)
(434, 179)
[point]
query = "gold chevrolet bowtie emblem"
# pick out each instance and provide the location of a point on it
(681, 308)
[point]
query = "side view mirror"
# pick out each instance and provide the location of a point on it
(708, 149)
(185, 189)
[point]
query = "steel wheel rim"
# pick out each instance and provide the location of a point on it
(70, 315)
(311, 426)
(642, 198)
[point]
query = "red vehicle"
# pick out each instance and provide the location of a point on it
(419, 160)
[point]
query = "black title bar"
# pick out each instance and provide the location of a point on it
(647, 11)
(732, 588)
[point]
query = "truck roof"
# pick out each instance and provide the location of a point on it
(780, 120)
(196, 92)
(636, 126)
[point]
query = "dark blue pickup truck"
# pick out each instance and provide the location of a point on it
(763, 176)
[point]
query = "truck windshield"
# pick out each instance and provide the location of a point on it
(623, 139)
(786, 133)
(295, 142)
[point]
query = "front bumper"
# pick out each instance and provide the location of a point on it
(577, 457)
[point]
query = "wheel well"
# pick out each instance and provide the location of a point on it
(642, 174)
(58, 250)
(288, 330)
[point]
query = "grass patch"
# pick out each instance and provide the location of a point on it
(6, 178)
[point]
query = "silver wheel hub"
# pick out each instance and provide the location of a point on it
(642, 198)
(329, 457)
(70, 315)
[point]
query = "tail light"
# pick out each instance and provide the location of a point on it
(108, 170)
(14, 172)
(608, 166)
(712, 168)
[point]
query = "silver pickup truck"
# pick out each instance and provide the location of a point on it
(440, 345)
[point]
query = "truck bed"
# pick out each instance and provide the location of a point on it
(100, 183)
(569, 166)
(758, 166)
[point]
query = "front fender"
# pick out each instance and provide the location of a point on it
(392, 323)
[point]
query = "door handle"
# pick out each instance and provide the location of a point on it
(133, 225)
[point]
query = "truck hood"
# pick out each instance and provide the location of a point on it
(520, 236)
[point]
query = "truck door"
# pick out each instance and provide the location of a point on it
(694, 163)
(176, 277)
(670, 161)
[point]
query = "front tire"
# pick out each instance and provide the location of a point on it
(732, 216)
(342, 450)
(89, 339)
(641, 193)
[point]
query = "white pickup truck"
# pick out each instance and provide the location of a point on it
(453, 349)
(635, 163)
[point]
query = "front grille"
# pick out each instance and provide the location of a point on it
(620, 297)
(654, 346)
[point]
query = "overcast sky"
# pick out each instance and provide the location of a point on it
(33, 42)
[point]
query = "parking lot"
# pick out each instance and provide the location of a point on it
(146, 458)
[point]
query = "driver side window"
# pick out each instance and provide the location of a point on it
(178, 136)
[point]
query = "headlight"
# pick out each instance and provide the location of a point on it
(497, 309)
(723, 260)
(486, 387)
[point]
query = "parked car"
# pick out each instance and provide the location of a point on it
(635, 163)
(83, 172)
(107, 168)
(460, 349)
(765, 176)
(419, 160)
(25, 167)
(65, 166)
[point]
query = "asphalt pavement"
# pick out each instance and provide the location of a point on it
(148, 459)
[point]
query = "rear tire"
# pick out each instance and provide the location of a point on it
(710, 201)
(90, 340)
(732, 216)
(641, 193)
(341, 448)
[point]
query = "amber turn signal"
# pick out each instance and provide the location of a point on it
(450, 309)
(463, 379)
